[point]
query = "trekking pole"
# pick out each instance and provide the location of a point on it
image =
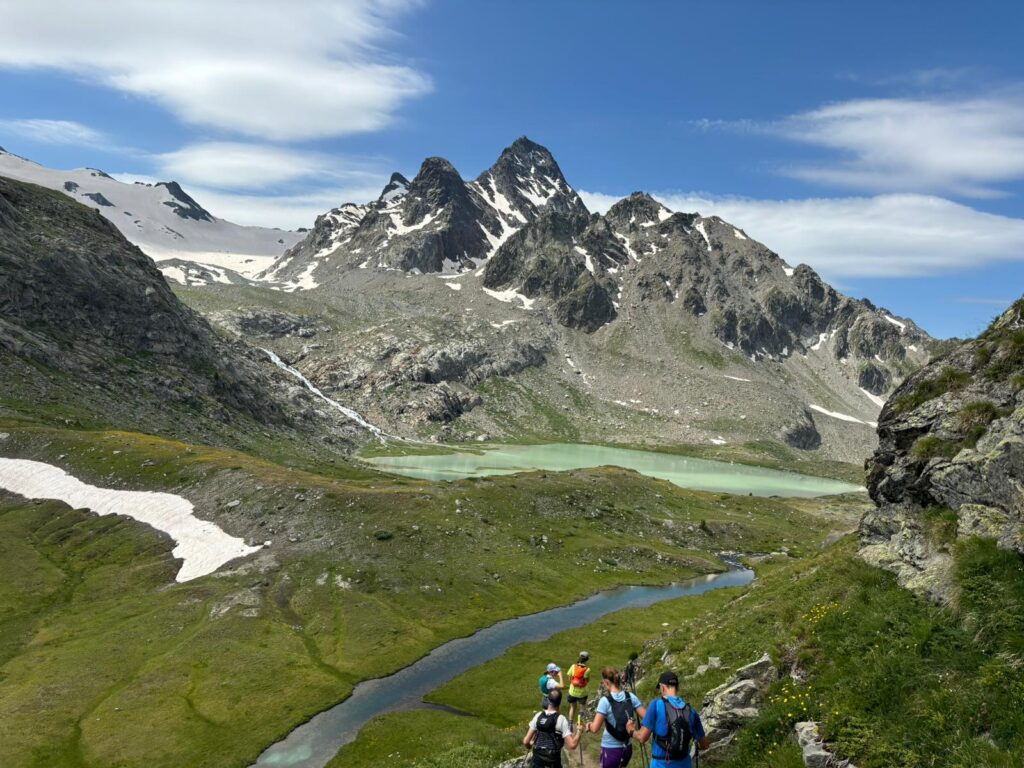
(579, 728)
(636, 718)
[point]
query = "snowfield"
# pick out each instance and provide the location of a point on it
(201, 545)
(164, 224)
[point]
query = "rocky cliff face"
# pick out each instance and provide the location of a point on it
(675, 315)
(950, 460)
(82, 306)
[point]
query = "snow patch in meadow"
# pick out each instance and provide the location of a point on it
(201, 545)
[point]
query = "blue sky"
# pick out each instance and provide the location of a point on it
(882, 143)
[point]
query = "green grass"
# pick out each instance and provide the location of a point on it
(947, 380)
(107, 662)
(895, 680)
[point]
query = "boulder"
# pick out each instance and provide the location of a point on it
(736, 702)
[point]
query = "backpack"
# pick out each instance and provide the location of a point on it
(543, 682)
(549, 738)
(579, 675)
(623, 712)
(676, 744)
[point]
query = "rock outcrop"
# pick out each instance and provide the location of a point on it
(738, 701)
(951, 442)
(87, 319)
(813, 748)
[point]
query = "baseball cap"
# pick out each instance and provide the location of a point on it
(669, 678)
(584, 655)
(554, 668)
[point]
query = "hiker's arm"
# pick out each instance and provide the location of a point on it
(643, 735)
(573, 739)
(596, 724)
(642, 712)
(529, 737)
(704, 742)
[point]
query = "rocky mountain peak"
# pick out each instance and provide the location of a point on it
(181, 202)
(396, 187)
(525, 179)
(637, 209)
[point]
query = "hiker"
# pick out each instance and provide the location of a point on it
(673, 724)
(551, 680)
(579, 679)
(615, 713)
(549, 732)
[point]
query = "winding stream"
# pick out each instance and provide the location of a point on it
(313, 744)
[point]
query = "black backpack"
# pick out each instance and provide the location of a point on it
(623, 712)
(677, 743)
(549, 738)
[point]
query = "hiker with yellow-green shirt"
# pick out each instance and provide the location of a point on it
(579, 679)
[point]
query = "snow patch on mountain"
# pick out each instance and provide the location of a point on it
(162, 219)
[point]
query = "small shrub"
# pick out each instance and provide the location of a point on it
(930, 447)
(383, 535)
(941, 524)
(973, 420)
(948, 380)
(1009, 359)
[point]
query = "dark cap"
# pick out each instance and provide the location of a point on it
(669, 679)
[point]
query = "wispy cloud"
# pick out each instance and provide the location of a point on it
(236, 165)
(288, 211)
(883, 235)
(279, 71)
(957, 145)
(52, 131)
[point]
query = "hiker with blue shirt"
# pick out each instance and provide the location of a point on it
(615, 713)
(674, 726)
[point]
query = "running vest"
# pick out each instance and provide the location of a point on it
(543, 682)
(578, 679)
(622, 712)
(547, 749)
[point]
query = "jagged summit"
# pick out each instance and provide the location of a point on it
(397, 186)
(182, 203)
(438, 222)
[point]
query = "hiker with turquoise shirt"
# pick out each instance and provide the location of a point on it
(615, 717)
(551, 680)
(674, 726)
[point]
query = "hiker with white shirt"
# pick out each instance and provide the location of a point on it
(549, 732)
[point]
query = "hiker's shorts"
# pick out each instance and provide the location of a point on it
(577, 699)
(616, 757)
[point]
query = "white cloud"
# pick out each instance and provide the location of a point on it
(884, 235)
(238, 165)
(262, 68)
(52, 131)
(963, 146)
(285, 211)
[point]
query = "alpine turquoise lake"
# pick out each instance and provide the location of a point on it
(686, 472)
